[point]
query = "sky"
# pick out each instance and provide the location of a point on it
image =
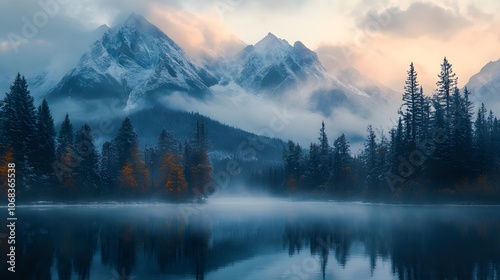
(379, 38)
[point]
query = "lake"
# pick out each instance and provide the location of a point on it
(259, 239)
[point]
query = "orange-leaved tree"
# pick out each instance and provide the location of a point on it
(6, 158)
(127, 179)
(134, 175)
(173, 181)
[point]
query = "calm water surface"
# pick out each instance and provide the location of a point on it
(245, 239)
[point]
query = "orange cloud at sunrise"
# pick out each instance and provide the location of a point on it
(419, 32)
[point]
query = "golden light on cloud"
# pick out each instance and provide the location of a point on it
(419, 32)
(387, 58)
(198, 35)
(384, 55)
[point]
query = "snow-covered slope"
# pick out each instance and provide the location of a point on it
(273, 65)
(485, 85)
(134, 62)
(278, 69)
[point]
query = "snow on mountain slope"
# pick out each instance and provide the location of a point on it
(134, 62)
(273, 65)
(137, 64)
(485, 85)
(54, 71)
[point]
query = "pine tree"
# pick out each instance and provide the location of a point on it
(439, 161)
(125, 141)
(153, 156)
(412, 102)
(383, 157)
(166, 142)
(480, 141)
(490, 145)
(341, 167)
(495, 142)
(445, 86)
(467, 130)
(494, 147)
(130, 162)
(3, 134)
(425, 106)
(67, 159)
(457, 134)
(109, 168)
(152, 160)
(444, 119)
(45, 138)
(87, 173)
(187, 161)
(19, 130)
(324, 155)
(141, 173)
(370, 154)
(65, 138)
(292, 158)
(201, 168)
(313, 167)
(173, 181)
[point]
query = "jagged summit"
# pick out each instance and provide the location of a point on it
(136, 22)
(136, 63)
(273, 65)
(485, 85)
(271, 41)
(133, 62)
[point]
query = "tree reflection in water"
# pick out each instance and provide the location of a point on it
(425, 243)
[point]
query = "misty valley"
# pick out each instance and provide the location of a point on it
(142, 161)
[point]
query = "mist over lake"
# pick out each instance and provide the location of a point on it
(249, 140)
(258, 239)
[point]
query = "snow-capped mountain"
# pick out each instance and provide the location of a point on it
(273, 65)
(46, 81)
(485, 85)
(134, 62)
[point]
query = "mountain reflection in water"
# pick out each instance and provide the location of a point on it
(271, 240)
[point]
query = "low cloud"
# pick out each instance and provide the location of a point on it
(419, 19)
(284, 118)
(35, 39)
(407, 35)
(199, 36)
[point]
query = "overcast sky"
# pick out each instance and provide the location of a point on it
(380, 38)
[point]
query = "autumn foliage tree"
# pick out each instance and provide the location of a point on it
(67, 165)
(133, 177)
(173, 181)
(6, 158)
(127, 179)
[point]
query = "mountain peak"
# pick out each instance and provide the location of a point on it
(139, 23)
(299, 45)
(271, 43)
(272, 36)
(135, 18)
(134, 63)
